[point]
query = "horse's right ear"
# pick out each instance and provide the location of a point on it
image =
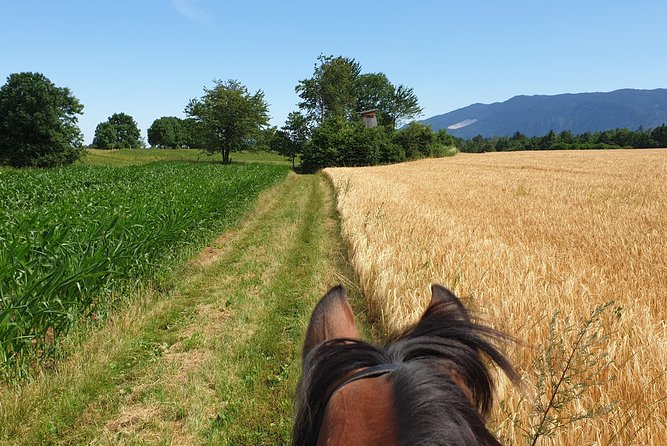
(332, 318)
(452, 305)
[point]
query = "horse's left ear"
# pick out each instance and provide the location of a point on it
(332, 318)
(453, 305)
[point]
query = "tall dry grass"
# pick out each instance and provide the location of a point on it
(535, 242)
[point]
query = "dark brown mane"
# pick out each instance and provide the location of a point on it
(446, 347)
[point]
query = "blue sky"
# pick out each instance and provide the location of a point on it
(147, 58)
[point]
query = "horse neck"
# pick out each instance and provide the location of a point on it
(360, 413)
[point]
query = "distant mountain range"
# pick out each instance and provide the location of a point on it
(579, 113)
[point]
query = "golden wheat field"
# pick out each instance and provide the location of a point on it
(564, 250)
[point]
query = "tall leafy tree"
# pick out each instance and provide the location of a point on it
(659, 136)
(331, 99)
(373, 90)
(404, 105)
(337, 88)
(396, 104)
(105, 136)
(193, 131)
(290, 140)
(331, 90)
(231, 118)
(38, 122)
(120, 131)
(167, 131)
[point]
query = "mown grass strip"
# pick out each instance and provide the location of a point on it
(258, 399)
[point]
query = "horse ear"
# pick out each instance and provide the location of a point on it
(332, 318)
(443, 297)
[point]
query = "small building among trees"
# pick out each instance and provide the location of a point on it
(369, 118)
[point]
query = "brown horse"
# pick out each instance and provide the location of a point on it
(430, 386)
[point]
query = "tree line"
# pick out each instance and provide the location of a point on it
(170, 132)
(38, 124)
(120, 131)
(566, 140)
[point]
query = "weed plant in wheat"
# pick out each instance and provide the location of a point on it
(539, 243)
(72, 239)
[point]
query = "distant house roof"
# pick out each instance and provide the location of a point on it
(369, 112)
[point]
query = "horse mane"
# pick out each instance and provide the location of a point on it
(431, 408)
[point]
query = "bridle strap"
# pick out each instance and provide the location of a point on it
(368, 372)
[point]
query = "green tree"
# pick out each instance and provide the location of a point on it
(374, 91)
(445, 138)
(339, 142)
(602, 138)
(519, 141)
(566, 137)
(281, 144)
(396, 104)
(503, 144)
(193, 134)
(585, 138)
(290, 140)
(325, 145)
(167, 131)
(549, 141)
(415, 139)
(404, 105)
(105, 136)
(337, 88)
(231, 118)
(659, 136)
(38, 122)
(120, 131)
(642, 138)
(625, 137)
(332, 89)
(369, 146)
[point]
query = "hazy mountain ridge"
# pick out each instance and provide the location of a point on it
(578, 112)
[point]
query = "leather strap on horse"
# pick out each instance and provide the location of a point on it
(368, 372)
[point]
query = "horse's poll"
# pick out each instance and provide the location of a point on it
(429, 386)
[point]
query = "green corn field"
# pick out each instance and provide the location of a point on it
(71, 239)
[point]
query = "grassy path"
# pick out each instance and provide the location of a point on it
(214, 362)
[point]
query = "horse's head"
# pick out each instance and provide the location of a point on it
(429, 386)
